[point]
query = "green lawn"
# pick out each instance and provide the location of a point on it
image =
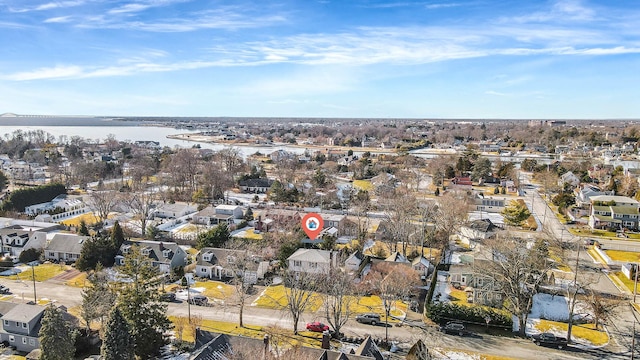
(625, 256)
(42, 272)
(628, 283)
(215, 289)
(274, 297)
(582, 332)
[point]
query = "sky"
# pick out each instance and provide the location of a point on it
(478, 59)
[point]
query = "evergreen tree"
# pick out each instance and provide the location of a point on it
(139, 302)
(98, 298)
(57, 337)
(98, 249)
(84, 231)
(215, 237)
(118, 342)
(515, 213)
(117, 236)
(3, 181)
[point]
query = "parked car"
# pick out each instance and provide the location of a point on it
(549, 339)
(317, 326)
(168, 297)
(453, 327)
(4, 289)
(200, 300)
(368, 318)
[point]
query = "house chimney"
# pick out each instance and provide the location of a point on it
(161, 245)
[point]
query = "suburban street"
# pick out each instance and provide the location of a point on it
(621, 328)
(405, 335)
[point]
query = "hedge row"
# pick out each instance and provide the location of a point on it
(442, 312)
(19, 199)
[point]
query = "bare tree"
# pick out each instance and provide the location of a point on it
(452, 212)
(299, 292)
(518, 271)
(338, 299)
(243, 262)
(601, 307)
(140, 203)
(102, 201)
(399, 213)
(392, 282)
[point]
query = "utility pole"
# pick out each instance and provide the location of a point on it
(575, 294)
(635, 283)
(33, 275)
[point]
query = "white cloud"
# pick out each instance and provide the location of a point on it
(143, 5)
(46, 73)
(49, 6)
(59, 19)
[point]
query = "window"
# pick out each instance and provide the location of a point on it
(6, 323)
(313, 265)
(24, 325)
(24, 340)
(478, 282)
(32, 342)
(12, 338)
(297, 263)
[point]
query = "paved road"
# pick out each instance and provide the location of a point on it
(406, 334)
(621, 327)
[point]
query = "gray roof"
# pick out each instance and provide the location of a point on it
(155, 248)
(66, 243)
(23, 313)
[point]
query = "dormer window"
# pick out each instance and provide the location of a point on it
(146, 251)
(231, 259)
(126, 249)
(207, 256)
(166, 253)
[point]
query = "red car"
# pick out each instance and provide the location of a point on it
(317, 326)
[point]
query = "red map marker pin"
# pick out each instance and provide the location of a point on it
(312, 225)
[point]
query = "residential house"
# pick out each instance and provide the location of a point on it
(569, 178)
(490, 204)
(354, 261)
(255, 186)
(213, 346)
(59, 207)
(175, 210)
(277, 219)
(423, 266)
(64, 247)
(15, 241)
(462, 181)
(20, 325)
(584, 193)
(477, 231)
(221, 264)
(312, 261)
(221, 213)
(163, 255)
(614, 212)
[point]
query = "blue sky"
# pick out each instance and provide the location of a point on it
(348, 58)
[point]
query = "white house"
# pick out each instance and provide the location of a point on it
(65, 204)
(64, 247)
(569, 178)
(312, 261)
(221, 264)
(176, 210)
(16, 241)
